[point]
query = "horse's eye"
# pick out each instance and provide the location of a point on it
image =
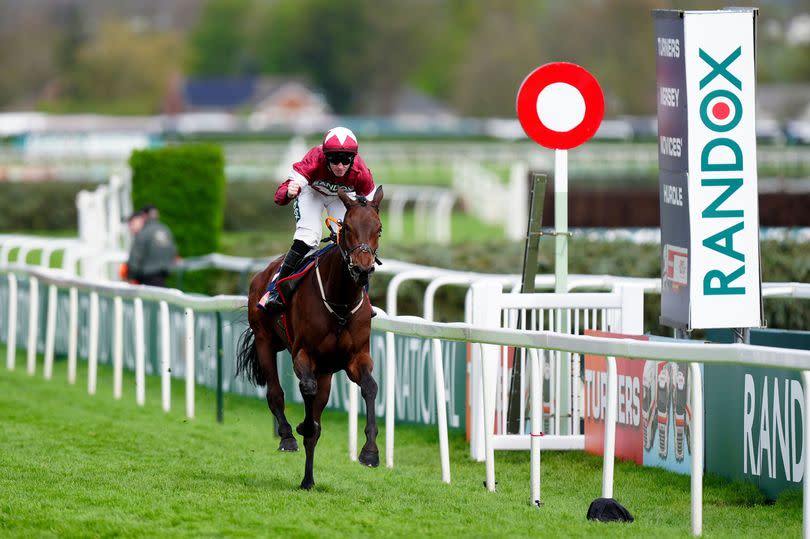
(379, 232)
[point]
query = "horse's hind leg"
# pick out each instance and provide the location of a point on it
(275, 395)
(311, 427)
(359, 371)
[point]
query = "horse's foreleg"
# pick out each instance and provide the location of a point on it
(359, 371)
(275, 396)
(324, 384)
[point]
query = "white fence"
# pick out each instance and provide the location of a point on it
(543, 341)
(621, 311)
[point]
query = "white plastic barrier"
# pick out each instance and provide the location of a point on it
(691, 352)
(621, 311)
(433, 208)
(687, 351)
(119, 292)
(101, 211)
(78, 258)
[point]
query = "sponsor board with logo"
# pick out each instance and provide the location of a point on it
(755, 417)
(653, 419)
(708, 173)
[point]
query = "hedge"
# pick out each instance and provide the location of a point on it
(187, 185)
(40, 206)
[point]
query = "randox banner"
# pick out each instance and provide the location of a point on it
(755, 417)
(719, 265)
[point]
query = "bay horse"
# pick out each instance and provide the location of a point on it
(326, 328)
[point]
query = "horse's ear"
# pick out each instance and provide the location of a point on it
(347, 201)
(378, 196)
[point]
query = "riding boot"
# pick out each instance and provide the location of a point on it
(271, 300)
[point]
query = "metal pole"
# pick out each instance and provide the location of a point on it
(561, 220)
(563, 395)
(220, 353)
(533, 235)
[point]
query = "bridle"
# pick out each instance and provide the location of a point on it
(347, 252)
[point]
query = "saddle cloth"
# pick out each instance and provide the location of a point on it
(287, 285)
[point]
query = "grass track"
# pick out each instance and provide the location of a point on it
(74, 465)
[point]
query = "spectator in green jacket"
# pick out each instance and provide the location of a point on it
(153, 251)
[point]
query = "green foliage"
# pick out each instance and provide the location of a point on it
(187, 185)
(222, 41)
(40, 206)
(251, 206)
(320, 39)
(120, 71)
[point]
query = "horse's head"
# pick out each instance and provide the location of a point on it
(360, 234)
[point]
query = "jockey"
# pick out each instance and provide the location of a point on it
(312, 185)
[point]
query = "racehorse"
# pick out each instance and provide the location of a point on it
(326, 328)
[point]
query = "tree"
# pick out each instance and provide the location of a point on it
(121, 70)
(27, 62)
(359, 53)
(221, 43)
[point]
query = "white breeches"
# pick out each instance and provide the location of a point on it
(308, 208)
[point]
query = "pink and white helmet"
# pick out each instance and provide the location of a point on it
(339, 139)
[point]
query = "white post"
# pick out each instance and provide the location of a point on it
(697, 449)
(353, 389)
(632, 309)
(476, 404)
(441, 410)
(165, 358)
(50, 332)
(33, 322)
(390, 389)
(73, 333)
(92, 353)
(561, 221)
(489, 371)
(140, 362)
(396, 210)
(189, 363)
(486, 312)
(610, 428)
(536, 384)
(11, 341)
(118, 347)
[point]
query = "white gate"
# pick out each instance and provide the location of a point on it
(621, 311)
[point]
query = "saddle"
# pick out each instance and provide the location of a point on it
(288, 285)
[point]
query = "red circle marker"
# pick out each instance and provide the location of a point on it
(721, 110)
(562, 72)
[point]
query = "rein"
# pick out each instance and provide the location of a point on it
(346, 254)
(342, 320)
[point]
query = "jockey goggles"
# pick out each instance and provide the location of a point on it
(342, 158)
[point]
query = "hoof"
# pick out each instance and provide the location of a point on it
(307, 485)
(288, 444)
(369, 458)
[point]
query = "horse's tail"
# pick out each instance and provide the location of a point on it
(247, 358)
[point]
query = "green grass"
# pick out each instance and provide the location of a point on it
(74, 465)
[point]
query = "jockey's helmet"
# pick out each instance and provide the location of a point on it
(340, 139)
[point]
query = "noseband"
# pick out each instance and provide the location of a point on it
(347, 253)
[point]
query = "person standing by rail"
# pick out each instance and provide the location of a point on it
(153, 250)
